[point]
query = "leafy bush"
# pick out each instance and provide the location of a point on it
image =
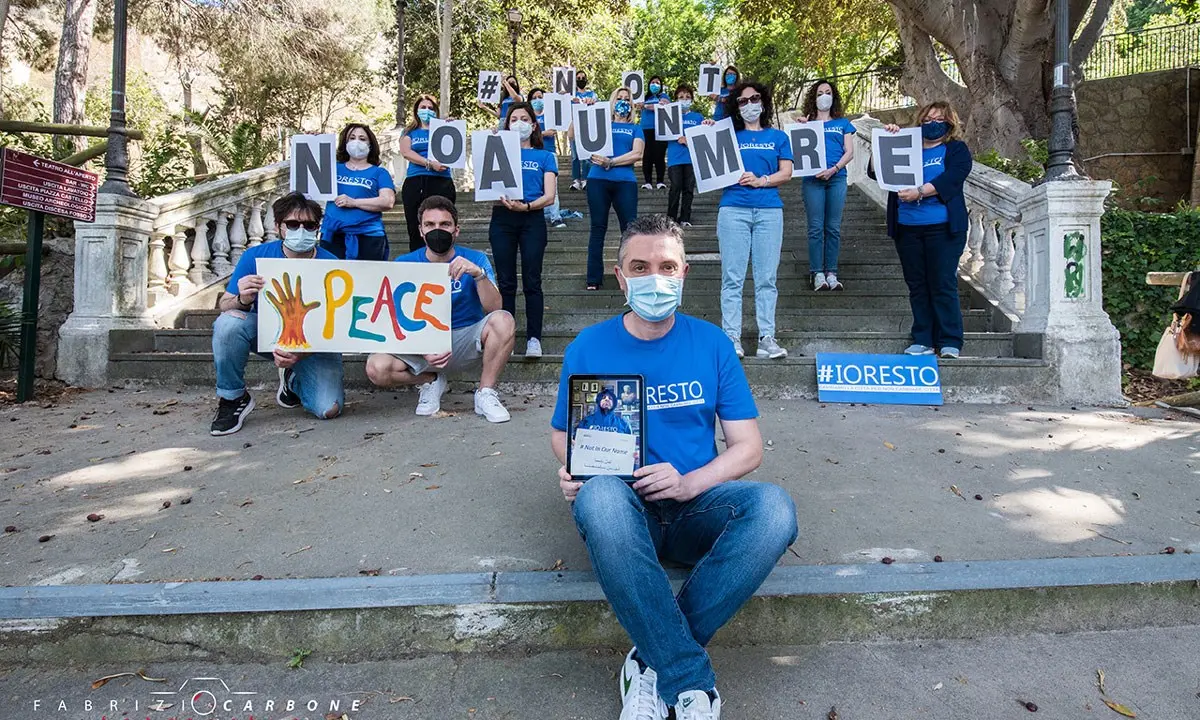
(1135, 243)
(1028, 169)
(164, 164)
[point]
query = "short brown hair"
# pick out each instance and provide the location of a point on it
(656, 225)
(437, 202)
(948, 112)
(294, 202)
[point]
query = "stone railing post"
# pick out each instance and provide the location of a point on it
(110, 286)
(1063, 298)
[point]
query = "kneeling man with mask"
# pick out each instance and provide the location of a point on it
(687, 504)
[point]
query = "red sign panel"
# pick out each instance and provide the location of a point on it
(34, 183)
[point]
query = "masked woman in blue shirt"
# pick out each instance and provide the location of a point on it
(353, 224)
(679, 162)
(537, 100)
(580, 167)
(750, 218)
(518, 225)
(729, 79)
(426, 177)
(929, 226)
(654, 161)
(612, 183)
(825, 193)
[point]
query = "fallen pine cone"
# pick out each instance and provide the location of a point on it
(887, 561)
(95, 517)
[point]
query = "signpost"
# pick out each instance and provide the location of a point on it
(41, 186)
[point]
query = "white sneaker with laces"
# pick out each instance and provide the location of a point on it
(430, 400)
(533, 348)
(819, 282)
(639, 692)
(583, 184)
(737, 346)
(647, 186)
(487, 404)
(917, 349)
(685, 224)
(660, 186)
(575, 185)
(832, 281)
(768, 348)
(696, 705)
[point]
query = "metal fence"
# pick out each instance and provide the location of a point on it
(1116, 55)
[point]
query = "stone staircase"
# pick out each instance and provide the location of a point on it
(871, 315)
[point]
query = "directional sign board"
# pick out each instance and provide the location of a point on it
(33, 183)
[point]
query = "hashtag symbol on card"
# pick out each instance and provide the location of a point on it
(825, 373)
(489, 86)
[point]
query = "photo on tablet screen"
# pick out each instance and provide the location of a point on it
(606, 426)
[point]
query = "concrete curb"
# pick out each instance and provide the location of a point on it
(347, 619)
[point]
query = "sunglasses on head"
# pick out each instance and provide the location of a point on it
(744, 101)
(297, 224)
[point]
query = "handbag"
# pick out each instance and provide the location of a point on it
(1177, 357)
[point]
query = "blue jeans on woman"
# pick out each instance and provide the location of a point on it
(732, 535)
(745, 234)
(621, 195)
(824, 201)
(317, 378)
(929, 256)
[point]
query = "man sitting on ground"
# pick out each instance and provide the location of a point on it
(481, 330)
(313, 380)
(687, 504)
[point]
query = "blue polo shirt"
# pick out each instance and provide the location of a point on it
(838, 132)
(761, 152)
(930, 210)
(535, 164)
(248, 265)
(677, 152)
(585, 95)
(623, 136)
(358, 184)
(465, 307)
(692, 378)
(648, 103)
(505, 104)
(420, 145)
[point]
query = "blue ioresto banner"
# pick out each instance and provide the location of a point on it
(882, 379)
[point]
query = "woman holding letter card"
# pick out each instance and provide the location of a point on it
(825, 193)
(518, 225)
(929, 226)
(353, 226)
(654, 164)
(612, 183)
(426, 177)
(750, 219)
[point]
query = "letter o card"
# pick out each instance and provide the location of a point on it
(448, 142)
(635, 80)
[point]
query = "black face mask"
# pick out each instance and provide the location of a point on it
(439, 241)
(581, 82)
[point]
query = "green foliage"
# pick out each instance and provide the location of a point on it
(21, 103)
(163, 165)
(144, 106)
(672, 38)
(1135, 243)
(1027, 169)
(239, 146)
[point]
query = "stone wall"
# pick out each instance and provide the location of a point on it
(1146, 113)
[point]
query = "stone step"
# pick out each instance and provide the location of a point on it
(709, 283)
(967, 379)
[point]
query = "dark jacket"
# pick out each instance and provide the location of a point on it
(607, 420)
(949, 186)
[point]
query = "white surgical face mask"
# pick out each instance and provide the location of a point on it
(686, 104)
(358, 149)
(654, 297)
(751, 112)
(299, 240)
(824, 102)
(522, 128)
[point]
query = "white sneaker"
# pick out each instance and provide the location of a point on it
(696, 705)
(583, 184)
(685, 224)
(647, 186)
(575, 185)
(639, 692)
(737, 346)
(768, 348)
(660, 186)
(431, 396)
(533, 348)
(832, 281)
(917, 349)
(487, 404)
(819, 282)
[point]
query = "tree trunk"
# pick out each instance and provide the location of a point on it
(3, 22)
(199, 166)
(70, 78)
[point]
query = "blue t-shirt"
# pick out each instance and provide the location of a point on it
(505, 104)
(465, 307)
(836, 132)
(247, 265)
(585, 94)
(677, 152)
(623, 135)
(358, 184)
(534, 166)
(719, 110)
(648, 103)
(761, 152)
(930, 210)
(692, 378)
(420, 145)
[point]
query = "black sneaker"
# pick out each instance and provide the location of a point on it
(285, 397)
(231, 414)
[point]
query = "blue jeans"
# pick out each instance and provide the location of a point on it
(745, 234)
(525, 232)
(579, 168)
(824, 201)
(317, 379)
(732, 535)
(621, 195)
(929, 257)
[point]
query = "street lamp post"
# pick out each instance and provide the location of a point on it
(514, 32)
(1062, 102)
(116, 158)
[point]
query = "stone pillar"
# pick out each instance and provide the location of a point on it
(1064, 297)
(110, 286)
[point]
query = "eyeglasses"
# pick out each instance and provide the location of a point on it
(297, 224)
(744, 101)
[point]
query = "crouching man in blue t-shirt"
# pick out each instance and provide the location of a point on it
(313, 380)
(687, 504)
(481, 332)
